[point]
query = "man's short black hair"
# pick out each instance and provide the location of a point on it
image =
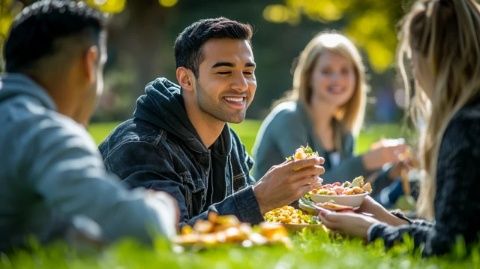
(190, 41)
(36, 29)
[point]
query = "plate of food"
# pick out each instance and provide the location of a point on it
(293, 219)
(340, 196)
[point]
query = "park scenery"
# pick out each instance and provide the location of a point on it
(334, 86)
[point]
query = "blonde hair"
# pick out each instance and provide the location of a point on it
(446, 33)
(350, 116)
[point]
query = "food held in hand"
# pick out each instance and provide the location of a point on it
(303, 152)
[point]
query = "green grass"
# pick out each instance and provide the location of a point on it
(310, 250)
(248, 129)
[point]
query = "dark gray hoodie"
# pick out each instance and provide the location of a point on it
(160, 149)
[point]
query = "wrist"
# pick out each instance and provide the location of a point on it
(393, 220)
(257, 191)
(366, 160)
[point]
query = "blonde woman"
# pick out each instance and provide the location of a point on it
(325, 110)
(442, 39)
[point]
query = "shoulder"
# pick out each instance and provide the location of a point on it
(460, 138)
(465, 123)
(29, 120)
(286, 114)
(47, 138)
(132, 131)
(286, 109)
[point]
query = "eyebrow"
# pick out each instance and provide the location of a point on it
(229, 64)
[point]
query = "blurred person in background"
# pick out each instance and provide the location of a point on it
(179, 141)
(325, 111)
(53, 182)
(441, 38)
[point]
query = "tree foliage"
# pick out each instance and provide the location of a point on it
(142, 32)
(370, 23)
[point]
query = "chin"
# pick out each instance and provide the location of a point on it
(235, 119)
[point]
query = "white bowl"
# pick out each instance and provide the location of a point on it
(354, 200)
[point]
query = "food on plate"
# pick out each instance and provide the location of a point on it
(335, 207)
(347, 194)
(289, 215)
(294, 220)
(220, 230)
(357, 186)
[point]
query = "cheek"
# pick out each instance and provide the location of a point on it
(253, 87)
(317, 82)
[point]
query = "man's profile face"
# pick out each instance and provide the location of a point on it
(226, 82)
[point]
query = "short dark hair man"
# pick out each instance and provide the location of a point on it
(52, 177)
(178, 140)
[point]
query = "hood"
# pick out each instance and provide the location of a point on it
(162, 106)
(15, 84)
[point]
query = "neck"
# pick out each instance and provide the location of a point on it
(322, 115)
(60, 91)
(207, 127)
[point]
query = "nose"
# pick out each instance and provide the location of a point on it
(240, 82)
(335, 76)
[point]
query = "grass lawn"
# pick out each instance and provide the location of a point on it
(247, 131)
(310, 249)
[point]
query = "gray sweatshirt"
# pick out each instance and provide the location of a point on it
(51, 174)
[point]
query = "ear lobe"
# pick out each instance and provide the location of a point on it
(91, 62)
(185, 78)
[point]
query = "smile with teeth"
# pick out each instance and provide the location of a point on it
(237, 102)
(235, 99)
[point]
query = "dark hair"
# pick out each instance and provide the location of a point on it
(36, 29)
(190, 41)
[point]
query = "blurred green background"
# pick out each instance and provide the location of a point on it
(248, 129)
(142, 33)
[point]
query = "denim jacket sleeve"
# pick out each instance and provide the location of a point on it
(159, 169)
(62, 164)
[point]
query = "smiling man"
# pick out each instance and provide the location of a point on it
(178, 140)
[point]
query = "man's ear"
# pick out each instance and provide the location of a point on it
(185, 78)
(91, 59)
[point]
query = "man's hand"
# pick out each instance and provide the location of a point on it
(287, 182)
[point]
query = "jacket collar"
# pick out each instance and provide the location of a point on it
(162, 105)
